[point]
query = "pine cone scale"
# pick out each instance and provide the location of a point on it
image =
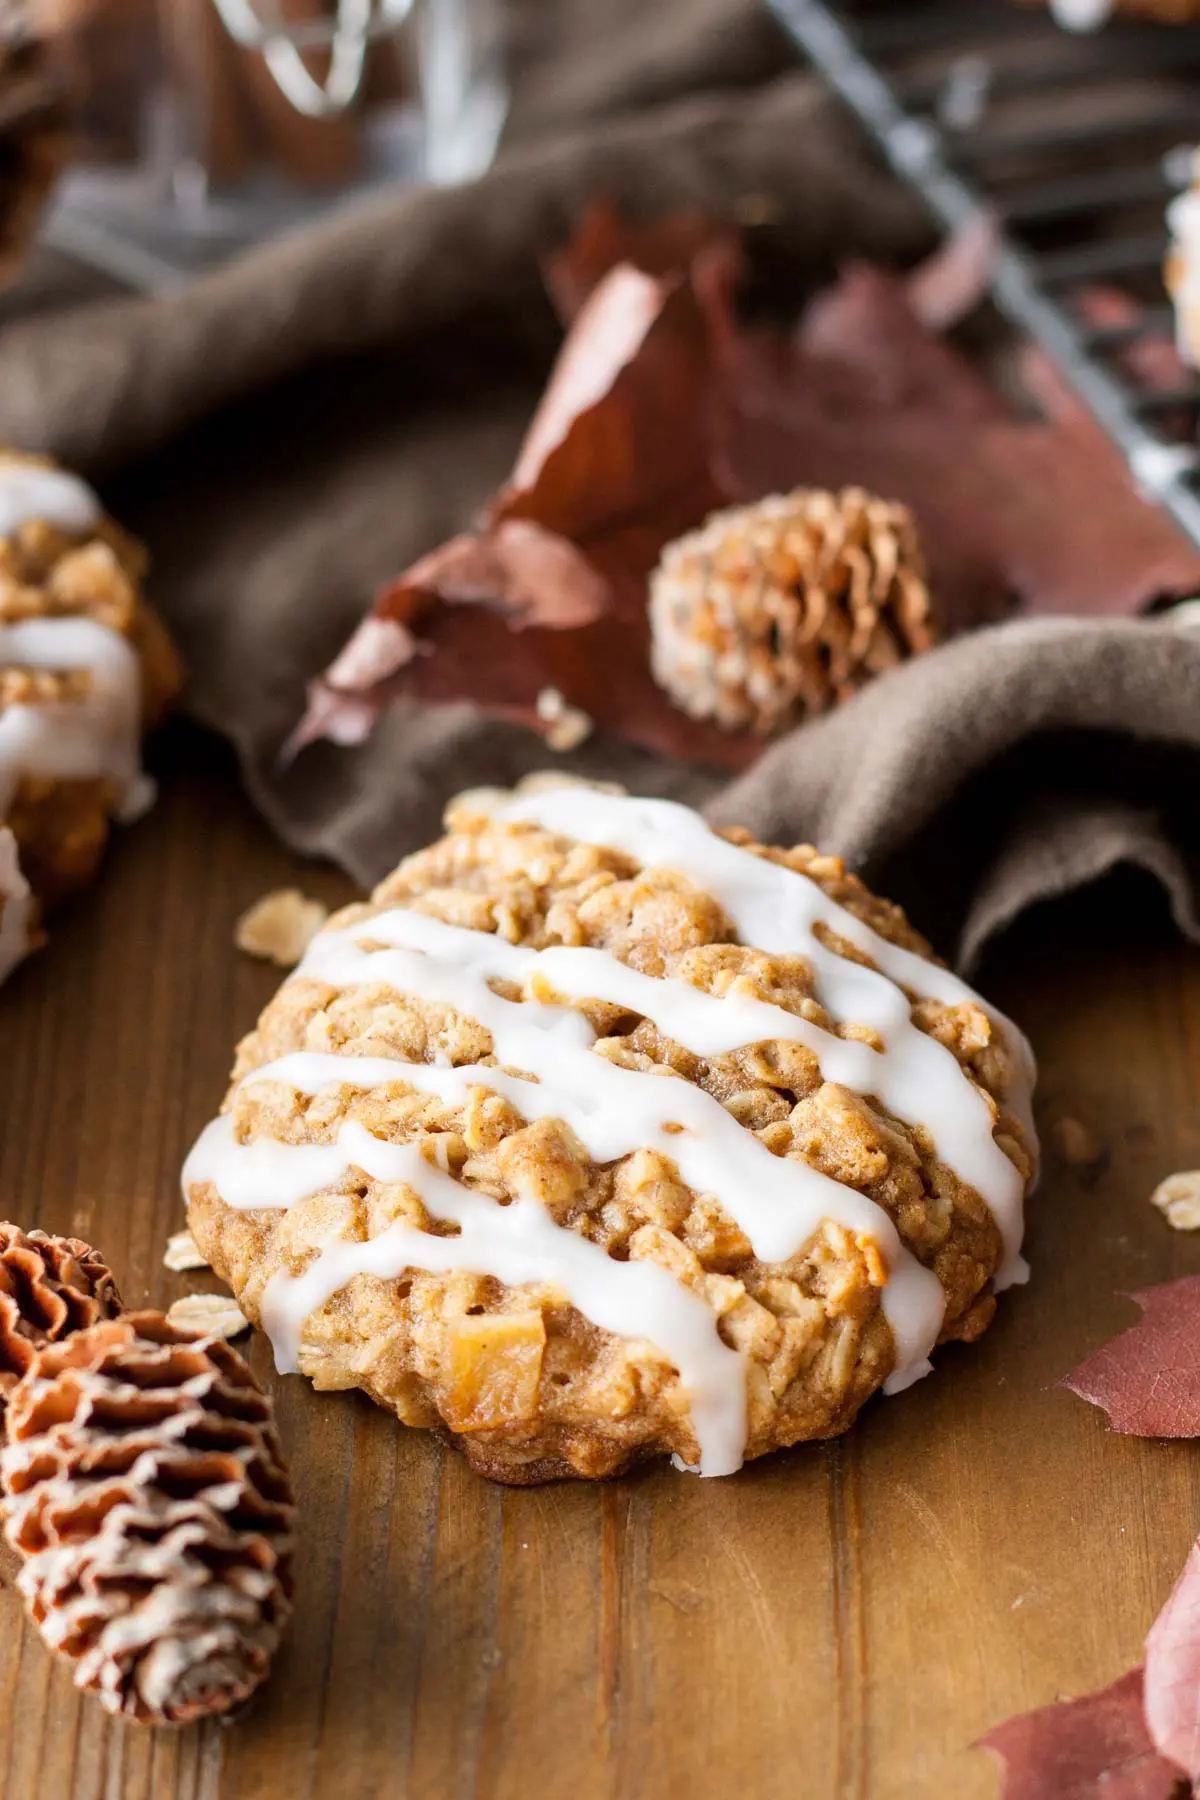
(49, 1287)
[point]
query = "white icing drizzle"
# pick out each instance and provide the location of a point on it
(28, 491)
(919, 1081)
(98, 736)
(778, 1202)
(776, 909)
(16, 906)
(1081, 15)
(75, 739)
(1183, 220)
(518, 1244)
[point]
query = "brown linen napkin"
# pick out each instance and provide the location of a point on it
(292, 431)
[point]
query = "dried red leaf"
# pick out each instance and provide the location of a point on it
(1172, 1699)
(1148, 1379)
(950, 284)
(1094, 1748)
(615, 463)
(1039, 510)
(661, 408)
(605, 238)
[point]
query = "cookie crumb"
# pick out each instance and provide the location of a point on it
(280, 926)
(209, 1315)
(1075, 1143)
(567, 726)
(1178, 1199)
(183, 1252)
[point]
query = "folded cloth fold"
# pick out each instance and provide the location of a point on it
(293, 430)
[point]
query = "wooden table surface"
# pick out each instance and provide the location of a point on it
(842, 1620)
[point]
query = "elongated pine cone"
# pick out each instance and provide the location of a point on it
(777, 610)
(145, 1488)
(49, 1287)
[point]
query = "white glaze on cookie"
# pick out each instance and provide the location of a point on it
(1081, 15)
(96, 737)
(518, 1244)
(779, 910)
(75, 740)
(778, 1202)
(31, 493)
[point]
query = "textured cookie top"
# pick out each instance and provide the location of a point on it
(596, 1125)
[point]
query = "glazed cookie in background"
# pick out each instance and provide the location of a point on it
(1090, 15)
(85, 668)
(597, 1135)
(1183, 266)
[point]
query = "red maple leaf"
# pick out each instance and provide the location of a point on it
(1094, 1748)
(1148, 1379)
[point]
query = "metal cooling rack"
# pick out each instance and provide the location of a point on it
(1075, 144)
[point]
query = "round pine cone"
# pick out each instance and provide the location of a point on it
(145, 1488)
(49, 1287)
(773, 611)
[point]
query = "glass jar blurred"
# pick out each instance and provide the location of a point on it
(207, 125)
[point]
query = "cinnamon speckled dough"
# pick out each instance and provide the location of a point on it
(526, 1385)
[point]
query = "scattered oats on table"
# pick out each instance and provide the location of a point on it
(1074, 1142)
(209, 1315)
(280, 926)
(1178, 1199)
(183, 1253)
(567, 726)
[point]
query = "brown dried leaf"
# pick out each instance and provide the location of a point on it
(604, 239)
(1148, 1379)
(662, 408)
(615, 463)
(1094, 1748)
(1040, 512)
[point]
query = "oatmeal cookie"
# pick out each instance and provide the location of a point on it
(598, 1135)
(85, 667)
